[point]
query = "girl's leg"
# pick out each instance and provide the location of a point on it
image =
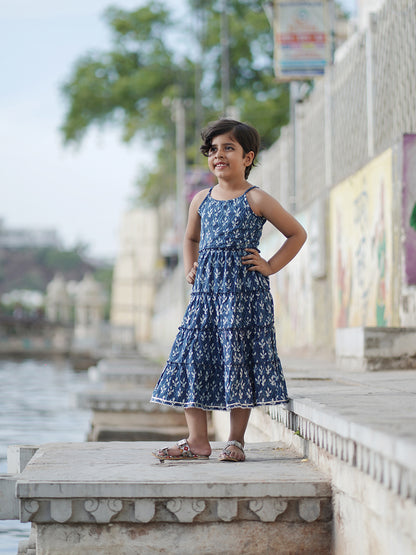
(238, 425)
(196, 420)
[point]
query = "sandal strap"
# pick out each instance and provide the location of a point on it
(235, 443)
(184, 447)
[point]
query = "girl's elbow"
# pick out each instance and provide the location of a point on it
(303, 236)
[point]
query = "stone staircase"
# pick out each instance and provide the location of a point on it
(119, 401)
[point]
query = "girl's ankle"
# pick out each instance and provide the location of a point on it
(199, 445)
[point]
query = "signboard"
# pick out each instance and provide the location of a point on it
(302, 39)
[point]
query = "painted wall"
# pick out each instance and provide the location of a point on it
(409, 208)
(361, 251)
(300, 290)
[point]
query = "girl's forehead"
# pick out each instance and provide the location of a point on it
(224, 138)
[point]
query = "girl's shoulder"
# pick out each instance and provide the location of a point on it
(198, 199)
(258, 199)
(258, 193)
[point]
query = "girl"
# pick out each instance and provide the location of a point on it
(224, 356)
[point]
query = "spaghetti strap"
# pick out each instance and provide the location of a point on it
(249, 189)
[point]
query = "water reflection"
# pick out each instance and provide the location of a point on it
(37, 405)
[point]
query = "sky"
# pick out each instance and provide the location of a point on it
(81, 192)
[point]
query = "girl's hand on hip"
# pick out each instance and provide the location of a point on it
(190, 278)
(258, 264)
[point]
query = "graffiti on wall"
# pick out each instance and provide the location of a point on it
(409, 207)
(292, 292)
(361, 246)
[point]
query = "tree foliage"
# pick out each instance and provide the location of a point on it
(133, 83)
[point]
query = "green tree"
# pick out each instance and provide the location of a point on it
(132, 84)
(259, 99)
(127, 84)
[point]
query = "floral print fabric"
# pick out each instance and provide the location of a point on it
(224, 355)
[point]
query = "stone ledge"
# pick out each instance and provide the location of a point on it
(375, 348)
(389, 460)
(122, 482)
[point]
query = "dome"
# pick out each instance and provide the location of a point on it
(56, 289)
(89, 291)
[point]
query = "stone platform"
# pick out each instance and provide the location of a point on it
(116, 497)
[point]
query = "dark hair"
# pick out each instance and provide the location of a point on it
(244, 134)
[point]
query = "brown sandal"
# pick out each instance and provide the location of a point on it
(185, 454)
(225, 454)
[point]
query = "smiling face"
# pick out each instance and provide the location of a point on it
(226, 158)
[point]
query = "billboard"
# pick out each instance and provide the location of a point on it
(302, 39)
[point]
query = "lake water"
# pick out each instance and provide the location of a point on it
(37, 405)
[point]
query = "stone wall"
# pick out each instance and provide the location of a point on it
(357, 267)
(349, 177)
(373, 500)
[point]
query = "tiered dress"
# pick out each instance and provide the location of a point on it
(224, 355)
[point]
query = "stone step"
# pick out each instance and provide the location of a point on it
(375, 348)
(107, 364)
(119, 433)
(133, 399)
(275, 502)
(125, 377)
(121, 373)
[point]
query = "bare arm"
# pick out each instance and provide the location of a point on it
(268, 207)
(191, 239)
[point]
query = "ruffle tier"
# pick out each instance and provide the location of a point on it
(224, 355)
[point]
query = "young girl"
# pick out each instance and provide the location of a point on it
(224, 356)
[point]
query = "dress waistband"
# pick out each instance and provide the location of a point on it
(230, 248)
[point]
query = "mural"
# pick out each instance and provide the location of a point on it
(361, 246)
(292, 292)
(409, 207)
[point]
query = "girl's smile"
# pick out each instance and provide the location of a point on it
(227, 155)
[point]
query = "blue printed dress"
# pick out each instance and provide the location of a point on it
(224, 355)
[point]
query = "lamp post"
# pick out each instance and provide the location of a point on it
(178, 106)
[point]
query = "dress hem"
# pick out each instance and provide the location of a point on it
(156, 400)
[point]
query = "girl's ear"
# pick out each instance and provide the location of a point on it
(249, 157)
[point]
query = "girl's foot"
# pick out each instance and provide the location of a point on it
(233, 452)
(184, 450)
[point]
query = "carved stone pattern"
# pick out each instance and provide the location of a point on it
(29, 508)
(144, 510)
(185, 509)
(103, 510)
(268, 509)
(61, 510)
(227, 509)
(309, 509)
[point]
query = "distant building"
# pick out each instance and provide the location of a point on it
(135, 273)
(18, 238)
